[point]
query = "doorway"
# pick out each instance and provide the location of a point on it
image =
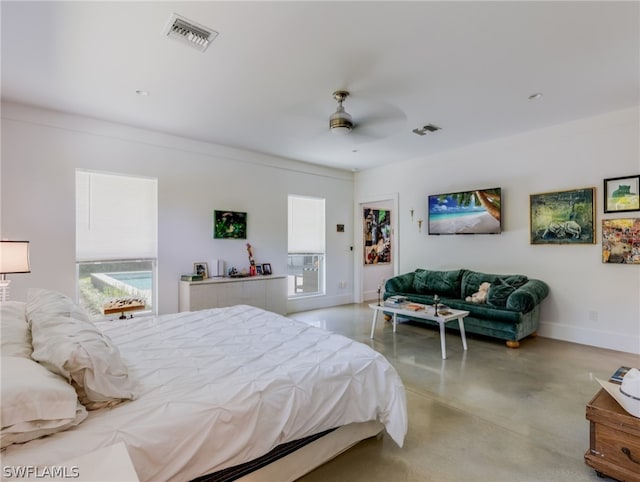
(376, 245)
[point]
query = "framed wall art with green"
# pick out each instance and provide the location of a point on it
(622, 194)
(229, 224)
(563, 217)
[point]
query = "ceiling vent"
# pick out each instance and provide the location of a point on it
(421, 131)
(191, 33)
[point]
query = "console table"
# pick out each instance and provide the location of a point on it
(614, 448)
(267, 292)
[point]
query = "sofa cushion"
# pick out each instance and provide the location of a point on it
(528, 296)
(499, 291)
(399, 284)
(442, 283)
(471, 281)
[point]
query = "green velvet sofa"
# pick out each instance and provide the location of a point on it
(510, 313)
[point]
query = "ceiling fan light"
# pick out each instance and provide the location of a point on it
(340, 121)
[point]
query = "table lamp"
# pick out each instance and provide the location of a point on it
(14, 258)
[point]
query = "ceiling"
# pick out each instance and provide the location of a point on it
(266, 82)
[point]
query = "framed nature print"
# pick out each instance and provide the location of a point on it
(621, 241)
(229, 224)
(201, 269)
(622, 194)
(563, 217)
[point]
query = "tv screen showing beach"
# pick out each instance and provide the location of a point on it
(467, 212)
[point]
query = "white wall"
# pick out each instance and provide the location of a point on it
(574, 155)
(41, 150)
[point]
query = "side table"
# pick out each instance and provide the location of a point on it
(107, 464)
(614, 448)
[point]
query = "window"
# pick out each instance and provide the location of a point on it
(306, 253)
(116, 238)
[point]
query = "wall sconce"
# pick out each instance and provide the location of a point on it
(419, 225)
(14, 258)
(411, 211)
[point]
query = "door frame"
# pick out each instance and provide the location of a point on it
(359, 244)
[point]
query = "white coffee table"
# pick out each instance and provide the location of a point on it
(427, 313)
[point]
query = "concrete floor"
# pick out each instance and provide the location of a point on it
(488, 414)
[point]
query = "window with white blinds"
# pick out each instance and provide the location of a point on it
(116, 216)
(306, 225)
(116, 239)
(306, 249)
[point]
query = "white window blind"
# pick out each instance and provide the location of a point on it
(116, 216)
(306, 225)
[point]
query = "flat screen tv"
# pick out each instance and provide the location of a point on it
(466, 212)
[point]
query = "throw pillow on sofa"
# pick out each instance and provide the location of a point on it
(443, 283)
(499, 291)
(471, 281)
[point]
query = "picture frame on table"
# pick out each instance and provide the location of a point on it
(201, 268)
(266, 268)
(563, 217)
(622, 194)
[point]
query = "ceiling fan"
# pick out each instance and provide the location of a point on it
(368, 120)
(340, 122)
(375, 119)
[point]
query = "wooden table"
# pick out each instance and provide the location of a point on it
(614, 448)
(426, 313)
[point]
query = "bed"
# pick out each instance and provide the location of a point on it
(205, 391)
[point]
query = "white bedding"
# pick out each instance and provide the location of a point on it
(223, 386)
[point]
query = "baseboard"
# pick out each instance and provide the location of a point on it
(318, 302)
(590, 336)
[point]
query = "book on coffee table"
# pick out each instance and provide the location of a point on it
(413, 307)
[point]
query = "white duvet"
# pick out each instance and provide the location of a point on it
(223, 386)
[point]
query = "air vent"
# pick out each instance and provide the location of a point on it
(191, 33)
(421, 131)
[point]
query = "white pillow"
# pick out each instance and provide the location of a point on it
(15, 336)
(67, 343)
(35, 402)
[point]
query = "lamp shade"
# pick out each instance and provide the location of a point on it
(14, 257)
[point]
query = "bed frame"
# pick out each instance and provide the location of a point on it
(296, 462)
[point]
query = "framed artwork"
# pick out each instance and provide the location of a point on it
(563, 217)
(201, 268)
(258, 269)
(229, 224)
(621, 241)
(622, 194)
(377, 236)
(266, 268)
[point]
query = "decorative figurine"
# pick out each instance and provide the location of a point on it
(252, 262)
(436, 298)
(379, 290)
